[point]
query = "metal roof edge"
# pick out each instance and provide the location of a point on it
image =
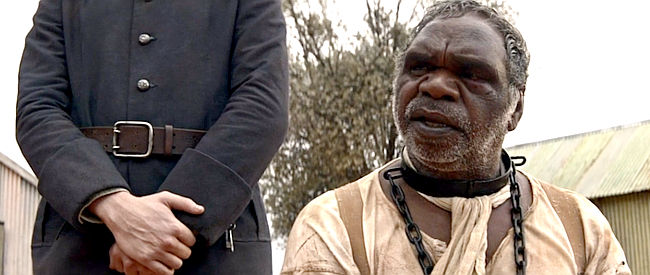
(22, 172)
(614, 194)
(615, 128)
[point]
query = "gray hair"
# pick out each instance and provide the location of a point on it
(516, 51)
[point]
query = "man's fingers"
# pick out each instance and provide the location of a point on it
(185, 236)
(178, 202)
(159, 268)
(142, 270)
(179, 249)
(171, 261)
(181, 203)
(116, 260)
(150, 235)
(130, 267)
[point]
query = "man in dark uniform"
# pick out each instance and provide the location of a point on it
(148, 124)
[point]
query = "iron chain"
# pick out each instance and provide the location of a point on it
(517, 220)
(414, 234)
(412, 230)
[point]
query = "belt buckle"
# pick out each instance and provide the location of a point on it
(116, 132)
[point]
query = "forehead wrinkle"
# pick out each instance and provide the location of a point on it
(444, 54)
(481, 43)
(472, 34)
(454, 30)
(426, 46)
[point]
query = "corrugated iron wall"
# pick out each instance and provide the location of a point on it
(18, 203)
(629, 216)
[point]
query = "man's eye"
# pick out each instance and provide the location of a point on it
(470, 76)
(418, 70)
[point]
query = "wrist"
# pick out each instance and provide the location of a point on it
(103, 206)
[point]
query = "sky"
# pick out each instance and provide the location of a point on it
(588, 70)
(589, 66)
(16, 19)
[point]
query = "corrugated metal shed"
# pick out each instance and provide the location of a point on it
(598, 164)
(18, 203)
(629, 216)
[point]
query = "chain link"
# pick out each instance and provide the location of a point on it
(412, 230)
(414, 234)
(517, 221)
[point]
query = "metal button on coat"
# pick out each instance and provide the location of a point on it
(143, 85)
(145, 38)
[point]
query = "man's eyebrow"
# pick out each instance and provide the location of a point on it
(473, 62)
(417, 55)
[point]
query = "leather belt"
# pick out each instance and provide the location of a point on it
(139, 139)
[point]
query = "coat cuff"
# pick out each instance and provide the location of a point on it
(208, 182)
(86, 216)
(74, 174)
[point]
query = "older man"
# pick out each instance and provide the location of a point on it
(454, 203)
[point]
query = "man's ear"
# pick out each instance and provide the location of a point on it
(519, 109)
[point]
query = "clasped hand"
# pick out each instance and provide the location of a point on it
(148, 237)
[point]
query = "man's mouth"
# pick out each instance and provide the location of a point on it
(433, 122)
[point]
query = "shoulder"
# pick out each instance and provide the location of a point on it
(574, 202)
(321, 210)
(319, 241)
(322, 213)
(602, 251)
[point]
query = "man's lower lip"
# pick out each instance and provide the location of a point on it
(427, 129)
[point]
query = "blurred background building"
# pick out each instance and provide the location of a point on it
(18, 203)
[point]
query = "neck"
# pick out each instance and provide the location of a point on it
(464, 168)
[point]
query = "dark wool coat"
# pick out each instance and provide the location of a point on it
(217, 65)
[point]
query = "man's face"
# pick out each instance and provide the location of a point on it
(452, 103)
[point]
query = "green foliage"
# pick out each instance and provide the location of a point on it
(341, 124)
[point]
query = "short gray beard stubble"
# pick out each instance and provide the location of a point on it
(476, 156)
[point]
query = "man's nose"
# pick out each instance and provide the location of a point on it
(440, 84)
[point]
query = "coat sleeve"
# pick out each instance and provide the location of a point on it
(229, 160)
(69, 166)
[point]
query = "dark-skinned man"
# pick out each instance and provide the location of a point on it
(454, 202)
(148, 124)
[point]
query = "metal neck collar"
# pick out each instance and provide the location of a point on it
(456, 188)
